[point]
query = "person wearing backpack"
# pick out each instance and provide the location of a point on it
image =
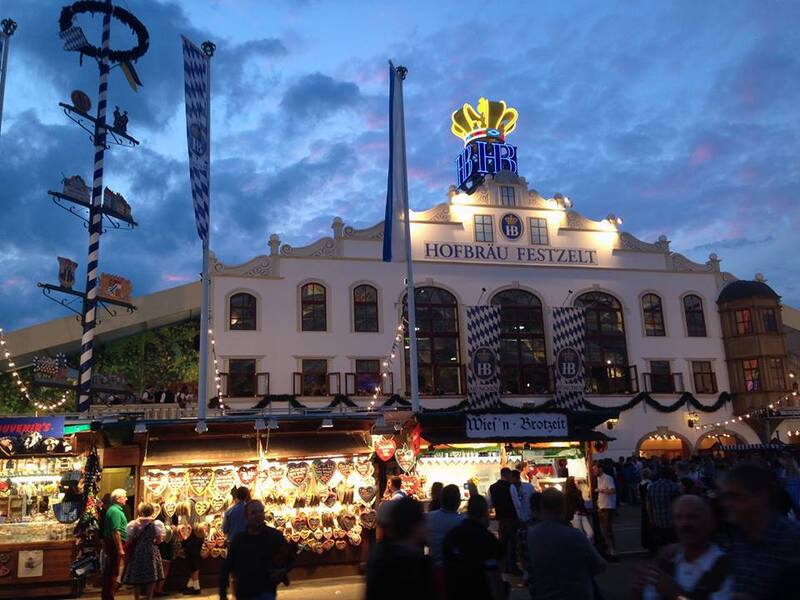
(143, 567)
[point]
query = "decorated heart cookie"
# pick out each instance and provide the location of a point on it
(369, 518)
(341, 544)
(314, 521)
(201, 507)
(385, 448)
(4, 571)
(355, 538)
(176, 480)
(339, 534)
(366, 494)
(276, 473)
(318, 534)
(330, 499)
(247, 474)
(205, 551)
(328, 545)
(155, 482)
(184, 531)
(200, 479)
(217, 503)
(345, 468)
(169, 508)
(297, 472)
(364, 467)
(346, 521)
(5, 557)
(224, 480)
(405, 459)
(324, 470)
(299, 523)
(296, 538)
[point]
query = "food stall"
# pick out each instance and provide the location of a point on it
(40, 479)
(317, 484)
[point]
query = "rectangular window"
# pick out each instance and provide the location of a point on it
(508, 196)
(752, 375)
(315, 375)
(705, 382)
(368, 377)
(241, 377)
(744, 323)
(776, 375)
(660, 377)
(770, 320)
(538, 231)
(483, 228)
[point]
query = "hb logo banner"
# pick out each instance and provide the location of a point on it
(569, 332)
(483, 348)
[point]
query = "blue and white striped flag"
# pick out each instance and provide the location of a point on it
(198, 109)
(74, 39)
(397, 188)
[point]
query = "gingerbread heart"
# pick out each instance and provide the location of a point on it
(205, 551)
(314, 521)
(297, 472)
(296, 538)
(341, 544)
(299, 523)
(385, 448)
(280, 522)
(5, 557)
(155, 482)
(405, 459)
(247, 474)
(364, 467)
(218, 503)
(369, 518)
(176, 480)
(215, 552)
(367, 494)
(324, 470)
(201, 507)
(156, 510)
(330, 499)
(328, 534)
(345, 468)
(184, 531)
(223, 553)
(276, 473)
(200, 479)
(305, 534)
(5, 487)
(354, 538)
(4, 571)
(328, 545)
(346, 521)
(169, 508)
(224, 480)
(339, 534)
(318, 534)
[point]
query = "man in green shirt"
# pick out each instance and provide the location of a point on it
(114, 524)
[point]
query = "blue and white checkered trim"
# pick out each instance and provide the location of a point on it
(483, 331)
(198, 103)
(74, 39)
(569, 331)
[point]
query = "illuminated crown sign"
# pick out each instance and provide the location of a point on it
(484, 132)
(492, 121)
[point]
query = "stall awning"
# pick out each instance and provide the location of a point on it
(313, 445)
(200, 451)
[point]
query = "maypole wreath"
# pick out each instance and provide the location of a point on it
(96, 7)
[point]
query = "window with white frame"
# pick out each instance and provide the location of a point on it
(538, 227)
(508, 196)
(483, 228)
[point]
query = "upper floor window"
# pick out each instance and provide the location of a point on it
(744, 321)
(606, 356)
(315, 377)
(314, 315)
(653, 316)
(365, 308)
(660, 377)
(776, 375)
(752, 375)
(539, 231)
(242, 312)
(368, 376)
(483, 228)
(695, 318)
(770, 320)
(508, 196)
(705, 382)
(241, 377)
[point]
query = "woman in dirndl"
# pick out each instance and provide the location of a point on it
(143, 566)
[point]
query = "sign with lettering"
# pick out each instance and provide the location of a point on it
(511, 226)
(46, 426)
(496, 253)
(517, 426)
(485, 158)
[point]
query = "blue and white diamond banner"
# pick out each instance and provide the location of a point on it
(483, 350)
(569, 341)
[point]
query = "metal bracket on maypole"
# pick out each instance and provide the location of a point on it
(100, 202)
(7, 29)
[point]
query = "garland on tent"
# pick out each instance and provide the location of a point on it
(87, 530)
(686, 398)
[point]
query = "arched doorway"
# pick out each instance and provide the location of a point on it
(664, 443)
(714, 441)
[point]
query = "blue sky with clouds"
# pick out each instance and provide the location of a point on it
(683, 117)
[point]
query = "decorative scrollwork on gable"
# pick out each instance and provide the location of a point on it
(260, 266)
(681, 263)
(323, 247)
(631, 242)
(370, 234)
(576, 220)
(438, 214)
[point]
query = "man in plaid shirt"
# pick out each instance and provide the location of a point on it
(660, 496)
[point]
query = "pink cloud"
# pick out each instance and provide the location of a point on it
(175, 277)
(702, 154)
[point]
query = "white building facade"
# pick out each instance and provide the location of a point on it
(321, 320)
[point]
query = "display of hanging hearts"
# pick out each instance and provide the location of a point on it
(224, 480)
(364, 467)
(169, 508)
(276, 473)
(200, 479)
(184, 531)
(247, 474)
(217, 503)
(297, 472)
(405, 459)
(201, 507)
(345, 468)
(176, 480)
(155, 482)
(369, 518)
(385, 448)
(367, 494)
(340, 544)
(324, 470)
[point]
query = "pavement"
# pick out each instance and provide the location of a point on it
(615, 583)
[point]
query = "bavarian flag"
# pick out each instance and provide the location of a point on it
(131, 75)
(394, 232)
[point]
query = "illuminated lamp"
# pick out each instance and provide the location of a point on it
(327, 423)
(273, 423)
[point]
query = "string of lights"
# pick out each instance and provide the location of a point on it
(758, 412)
(23, 389)
(217, 376)
(388, 361)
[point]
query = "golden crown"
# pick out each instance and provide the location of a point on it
(493, 120)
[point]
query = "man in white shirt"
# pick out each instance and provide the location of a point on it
(521, 492)
(698, 568)
(606, 507)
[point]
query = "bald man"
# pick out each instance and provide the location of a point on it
(695, 567)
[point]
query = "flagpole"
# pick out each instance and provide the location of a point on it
(411, 301)
(9, 27)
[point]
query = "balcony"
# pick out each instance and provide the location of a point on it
(612, 379)
(364, 384)
(316, 384)
(663, 383)
(243, 385)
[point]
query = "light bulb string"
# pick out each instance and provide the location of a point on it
(8, 356)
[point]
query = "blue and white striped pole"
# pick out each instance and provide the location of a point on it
(95, 226)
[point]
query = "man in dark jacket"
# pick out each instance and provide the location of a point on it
(506, 515)
(258, 559)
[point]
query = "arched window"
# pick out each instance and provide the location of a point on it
(313, 309)
(653, 316)
(523, 363)
(365, 308)
(606, 355)
(242, 312)
(438, 355)
(695, 318)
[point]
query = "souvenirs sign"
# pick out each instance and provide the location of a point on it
(517, 425)
(44, 426)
